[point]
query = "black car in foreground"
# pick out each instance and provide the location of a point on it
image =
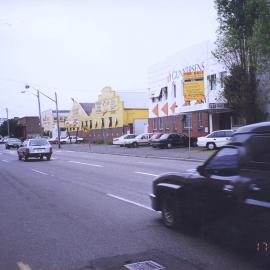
(13, 143)
(170, 140)
(232, 185)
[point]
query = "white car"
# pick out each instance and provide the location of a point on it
(71, 139)
(215, 139)
(124, 139)
(141, 139)
(37, 148)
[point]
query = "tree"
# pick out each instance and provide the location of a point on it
(243, 46)
(12, 128)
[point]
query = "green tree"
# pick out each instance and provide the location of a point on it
(12, 128)
(243, 46)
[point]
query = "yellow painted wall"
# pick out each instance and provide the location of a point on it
(131, 114)
(76, 116)
(108, 105)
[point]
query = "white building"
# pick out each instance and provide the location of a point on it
(185, 92)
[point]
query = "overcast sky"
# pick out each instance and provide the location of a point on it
(78, 47)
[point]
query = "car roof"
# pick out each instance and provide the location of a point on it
(263, 127)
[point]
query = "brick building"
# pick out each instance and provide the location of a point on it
(28, 127)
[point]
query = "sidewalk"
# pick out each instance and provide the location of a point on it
(195, 154)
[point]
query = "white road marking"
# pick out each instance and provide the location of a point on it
(129, 201)
(40, 172)
(4, 160)
(150, 174)
(88, 164)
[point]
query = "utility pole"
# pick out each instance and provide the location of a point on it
(7, 122)
(58, 126)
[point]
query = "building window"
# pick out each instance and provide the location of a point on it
(110, 121)
(174, 90)
(86, 123)
(212, 81)
(166, 124)
(90, 123)
(164, 93)
(200, 120)
(82, 125)
(222, 77)
(161, 121)
(155, 120)
(102, 122)
(188, 120)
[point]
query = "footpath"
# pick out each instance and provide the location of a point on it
(183, 153)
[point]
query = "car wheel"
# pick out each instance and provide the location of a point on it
(25, 158)
(135, 144)
(169, 145)
(41, 157)
(19, 157)
(170, 216)
(48, 158)
(211, 146)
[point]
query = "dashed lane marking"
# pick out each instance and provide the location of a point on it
(36, 171)
(88, 164)
(4, 160)
(145, 173)
(129, 201)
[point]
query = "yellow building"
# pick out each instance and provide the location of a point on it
(117, 113)
(78, 119)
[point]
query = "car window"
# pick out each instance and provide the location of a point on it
(38, 142)
(228, 133)
(260, 149)
(226, 158)
(212, 135)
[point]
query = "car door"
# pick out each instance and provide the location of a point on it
(258, 171)
(221, 172)
(220, 138)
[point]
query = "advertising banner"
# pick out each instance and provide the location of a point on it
(194, 87)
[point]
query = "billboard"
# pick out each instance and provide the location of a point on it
(194, 87)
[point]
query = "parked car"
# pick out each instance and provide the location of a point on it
(71, 139)
(172, 140)
(232, 185)
(53, 140)
(154, 137)
(37, 148)
(141, 139)
(13, 143)
(215, 139)
(124, 139)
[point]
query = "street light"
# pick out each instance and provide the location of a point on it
(7, 121)
(56, 105)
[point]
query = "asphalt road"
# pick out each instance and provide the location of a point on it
(92, 211)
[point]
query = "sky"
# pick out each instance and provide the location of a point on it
(76, 48)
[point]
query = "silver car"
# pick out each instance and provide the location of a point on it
(37, 148)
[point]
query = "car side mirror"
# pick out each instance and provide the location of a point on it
(200, 170)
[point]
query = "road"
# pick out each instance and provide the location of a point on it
(92, 211)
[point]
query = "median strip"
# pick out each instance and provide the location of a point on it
(39, 172)
(129, 201)
(150, 174)
(88, 164)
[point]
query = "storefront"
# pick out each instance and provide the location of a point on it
(185, 93)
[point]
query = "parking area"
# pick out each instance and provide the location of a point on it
(195, 153)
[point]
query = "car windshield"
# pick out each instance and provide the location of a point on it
(38, 142)
(13, 140)
(164, 136)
